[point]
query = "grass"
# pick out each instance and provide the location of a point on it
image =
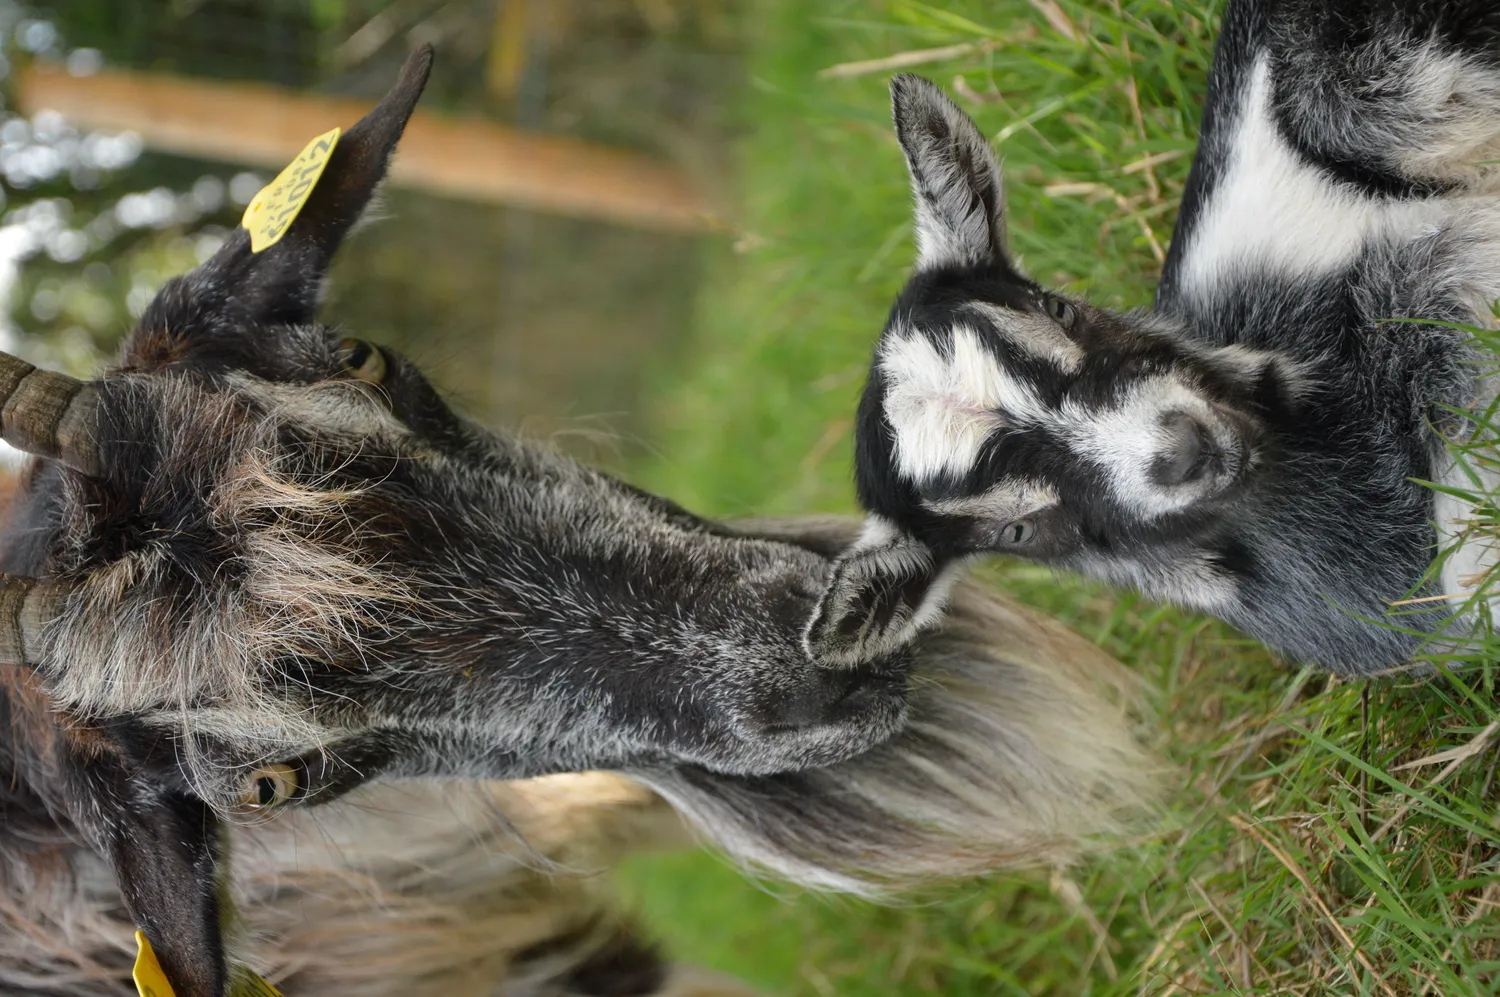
(1316, 841)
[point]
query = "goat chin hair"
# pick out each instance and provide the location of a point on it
(1021, 751)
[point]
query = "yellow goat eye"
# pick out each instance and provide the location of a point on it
(361, 360)
(267, 787)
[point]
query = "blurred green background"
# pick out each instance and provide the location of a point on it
(721, 367)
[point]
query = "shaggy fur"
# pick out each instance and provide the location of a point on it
(283, 552)
(459, 887)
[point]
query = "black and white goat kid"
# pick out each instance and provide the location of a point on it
(1248, 445)
(270, 596)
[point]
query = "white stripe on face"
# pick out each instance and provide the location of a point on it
(1125, 440)
(1010, 500)
(942, 409)
(1035, 334)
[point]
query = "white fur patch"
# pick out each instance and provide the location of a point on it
(875, 531)
(1191, 580)
(942, 409)
(1272, 211)
(1034, 333)
(1472, 552)
(1010, 500)
(1126, 439)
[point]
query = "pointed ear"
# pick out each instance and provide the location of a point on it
(955, 178)
(282, 284)
(164, 847)
(883, 590)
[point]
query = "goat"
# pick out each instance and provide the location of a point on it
(268, 596)
(1252, 445)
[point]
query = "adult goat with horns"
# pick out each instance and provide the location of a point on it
(1252, 445)
(270, 597)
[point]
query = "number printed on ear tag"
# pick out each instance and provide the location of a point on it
(272, 211)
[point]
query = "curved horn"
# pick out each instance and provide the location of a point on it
(26, 607)
(49, 414)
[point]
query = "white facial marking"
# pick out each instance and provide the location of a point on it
(1126, 439)
(1034, 333)
(1273, 211)
(942, 409)
(1008, 501)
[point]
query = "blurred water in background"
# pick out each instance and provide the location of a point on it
(551, 324)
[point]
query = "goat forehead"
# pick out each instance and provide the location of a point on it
(943, 404)
(947, 397)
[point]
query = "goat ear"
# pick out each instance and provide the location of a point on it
(883, 590)
(955, 178)
(282, 284)
(164, 847)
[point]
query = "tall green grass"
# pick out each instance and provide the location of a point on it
(1313, 844)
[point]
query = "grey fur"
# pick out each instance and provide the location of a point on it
(285, 563)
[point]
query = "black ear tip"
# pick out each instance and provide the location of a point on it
(908, 87)
(418, 66)
(920, 104)
(382, 127)
(414, 73)
(911, 81)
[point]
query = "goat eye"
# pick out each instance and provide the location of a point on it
(361, 360)
(268, 787)
(1017, 533)
(1063, 313)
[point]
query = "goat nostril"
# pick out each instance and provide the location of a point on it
(1190, 453)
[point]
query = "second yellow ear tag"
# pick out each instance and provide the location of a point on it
(248, 983)
(150, 981)
(272, 211)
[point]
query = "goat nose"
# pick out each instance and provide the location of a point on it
(1189, 453)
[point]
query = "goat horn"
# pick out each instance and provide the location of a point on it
(49, 414)
(26, 607)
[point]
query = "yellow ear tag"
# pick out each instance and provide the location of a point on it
(246, 982)
(150, 981)
(272, 211)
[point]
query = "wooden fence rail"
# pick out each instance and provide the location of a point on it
(471, 158)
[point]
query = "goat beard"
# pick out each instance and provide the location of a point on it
(1020, 751)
